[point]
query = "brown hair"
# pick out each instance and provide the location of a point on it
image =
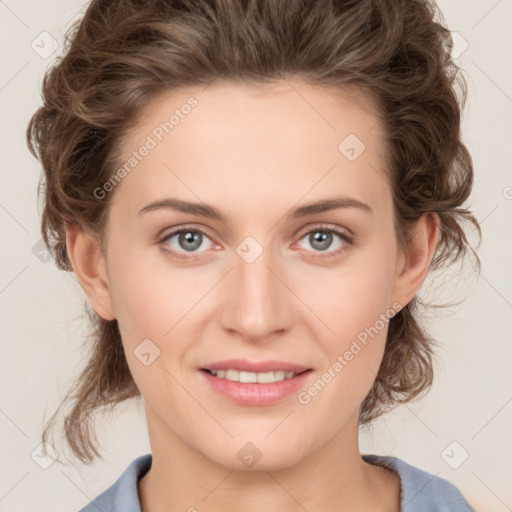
(124, 52)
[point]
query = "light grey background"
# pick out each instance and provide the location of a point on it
(42, 323)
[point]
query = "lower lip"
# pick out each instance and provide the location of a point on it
(253, 393)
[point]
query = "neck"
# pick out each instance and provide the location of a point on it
(332, 478)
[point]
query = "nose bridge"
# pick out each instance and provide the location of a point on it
(257, 303)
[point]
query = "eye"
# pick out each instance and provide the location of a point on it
(321, 238)
(183, 241)
(186, 242)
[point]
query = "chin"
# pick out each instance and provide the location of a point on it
(248, 457)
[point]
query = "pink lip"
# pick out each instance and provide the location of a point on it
(253, 393)
(256, 367)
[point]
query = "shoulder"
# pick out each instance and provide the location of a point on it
(422, 491)
(122, 494)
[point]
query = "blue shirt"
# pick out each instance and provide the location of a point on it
(420, 491)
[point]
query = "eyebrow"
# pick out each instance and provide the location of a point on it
(205, 210)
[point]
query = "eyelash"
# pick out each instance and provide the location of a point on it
(346, 239)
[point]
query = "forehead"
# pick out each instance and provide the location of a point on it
(232, 108)
(270, 142)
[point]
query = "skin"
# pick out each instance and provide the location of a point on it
(254, 153)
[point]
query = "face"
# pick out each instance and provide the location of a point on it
(253, 274)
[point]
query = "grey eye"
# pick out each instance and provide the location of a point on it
(187, 241)
(190, 240)
(320, 240)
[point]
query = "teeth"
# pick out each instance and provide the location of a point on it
(261, 378)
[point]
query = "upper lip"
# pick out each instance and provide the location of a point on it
(255, 366)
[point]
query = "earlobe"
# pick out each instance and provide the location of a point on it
(90, 269)
(418, 257)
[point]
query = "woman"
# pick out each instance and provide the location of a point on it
(251, 194)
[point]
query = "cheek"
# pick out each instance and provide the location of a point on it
(157, 302)
(144, 290)
(354, 352)
(352, 297)
(354, 304)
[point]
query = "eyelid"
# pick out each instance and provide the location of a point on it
(170, 231)
(324, 227)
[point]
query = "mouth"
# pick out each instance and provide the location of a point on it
(255, 383)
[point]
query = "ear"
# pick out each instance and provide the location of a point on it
(415, 263)
(89, 266)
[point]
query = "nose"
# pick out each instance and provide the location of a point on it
(258, 302)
